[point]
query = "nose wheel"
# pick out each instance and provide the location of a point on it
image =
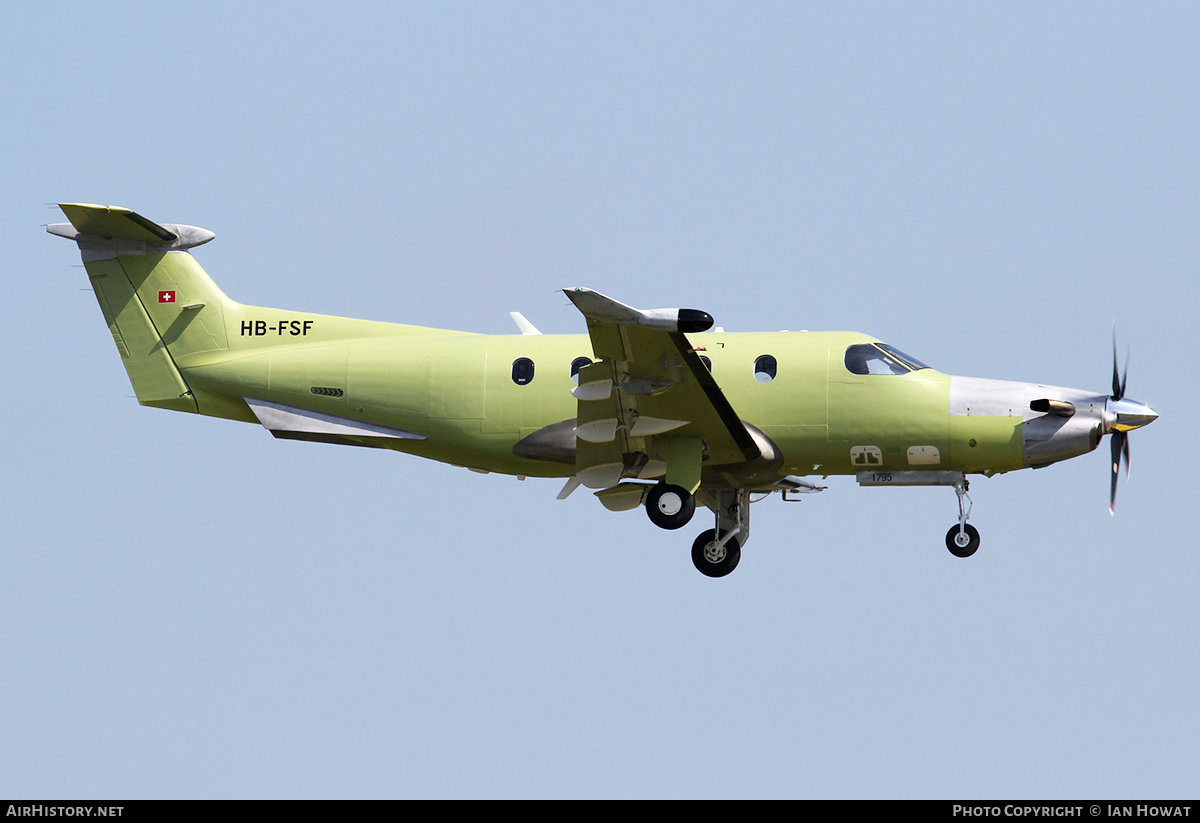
(963, 539)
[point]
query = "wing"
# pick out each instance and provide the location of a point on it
(649, 406)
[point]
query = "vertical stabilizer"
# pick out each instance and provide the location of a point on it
(158, 303)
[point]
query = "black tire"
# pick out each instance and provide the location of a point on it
(972, 544)
(719, 564)
(670, 507)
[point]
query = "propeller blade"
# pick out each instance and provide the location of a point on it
(1117, 437)
(1120, 451)
(1118, 385)
(1125, 373)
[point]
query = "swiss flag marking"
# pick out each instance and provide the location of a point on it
(166, 296)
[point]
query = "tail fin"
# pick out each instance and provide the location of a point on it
(170, 321)
(158, 302)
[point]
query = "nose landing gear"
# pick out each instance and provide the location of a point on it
(963, 539)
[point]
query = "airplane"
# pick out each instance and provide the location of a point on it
(651, 408)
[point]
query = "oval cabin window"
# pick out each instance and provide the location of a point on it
(765, 368)
(577, 364)
(522, 371)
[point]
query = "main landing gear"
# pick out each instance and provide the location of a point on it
(717, 551)
(963, 539)
(670, 507)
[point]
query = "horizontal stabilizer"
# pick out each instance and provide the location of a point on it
(112, 227)
(293, 423)
(114, 222)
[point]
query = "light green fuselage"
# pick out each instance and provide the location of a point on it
(186, 346)
(457, 389)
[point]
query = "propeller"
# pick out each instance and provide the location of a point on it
(1122, 416)
(1120, 440)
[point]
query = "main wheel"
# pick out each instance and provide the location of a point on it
(712, 561)
(670, 507)
(962, 545)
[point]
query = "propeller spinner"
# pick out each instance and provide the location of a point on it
(1122, 416)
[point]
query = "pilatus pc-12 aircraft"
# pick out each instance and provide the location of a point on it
(644, 409)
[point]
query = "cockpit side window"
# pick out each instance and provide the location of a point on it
(880, 358)
(907, 359)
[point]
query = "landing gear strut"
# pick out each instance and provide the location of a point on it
(963, 539)
(716, 552)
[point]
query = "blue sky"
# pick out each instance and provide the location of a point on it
(189, 608)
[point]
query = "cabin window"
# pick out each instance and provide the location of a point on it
(880, 358)
(522, 371)
(577, 364)
(765, 368)
(707, 363)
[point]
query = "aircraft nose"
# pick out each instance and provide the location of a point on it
(1127, 414)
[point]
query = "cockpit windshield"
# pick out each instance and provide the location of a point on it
(880, 358)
